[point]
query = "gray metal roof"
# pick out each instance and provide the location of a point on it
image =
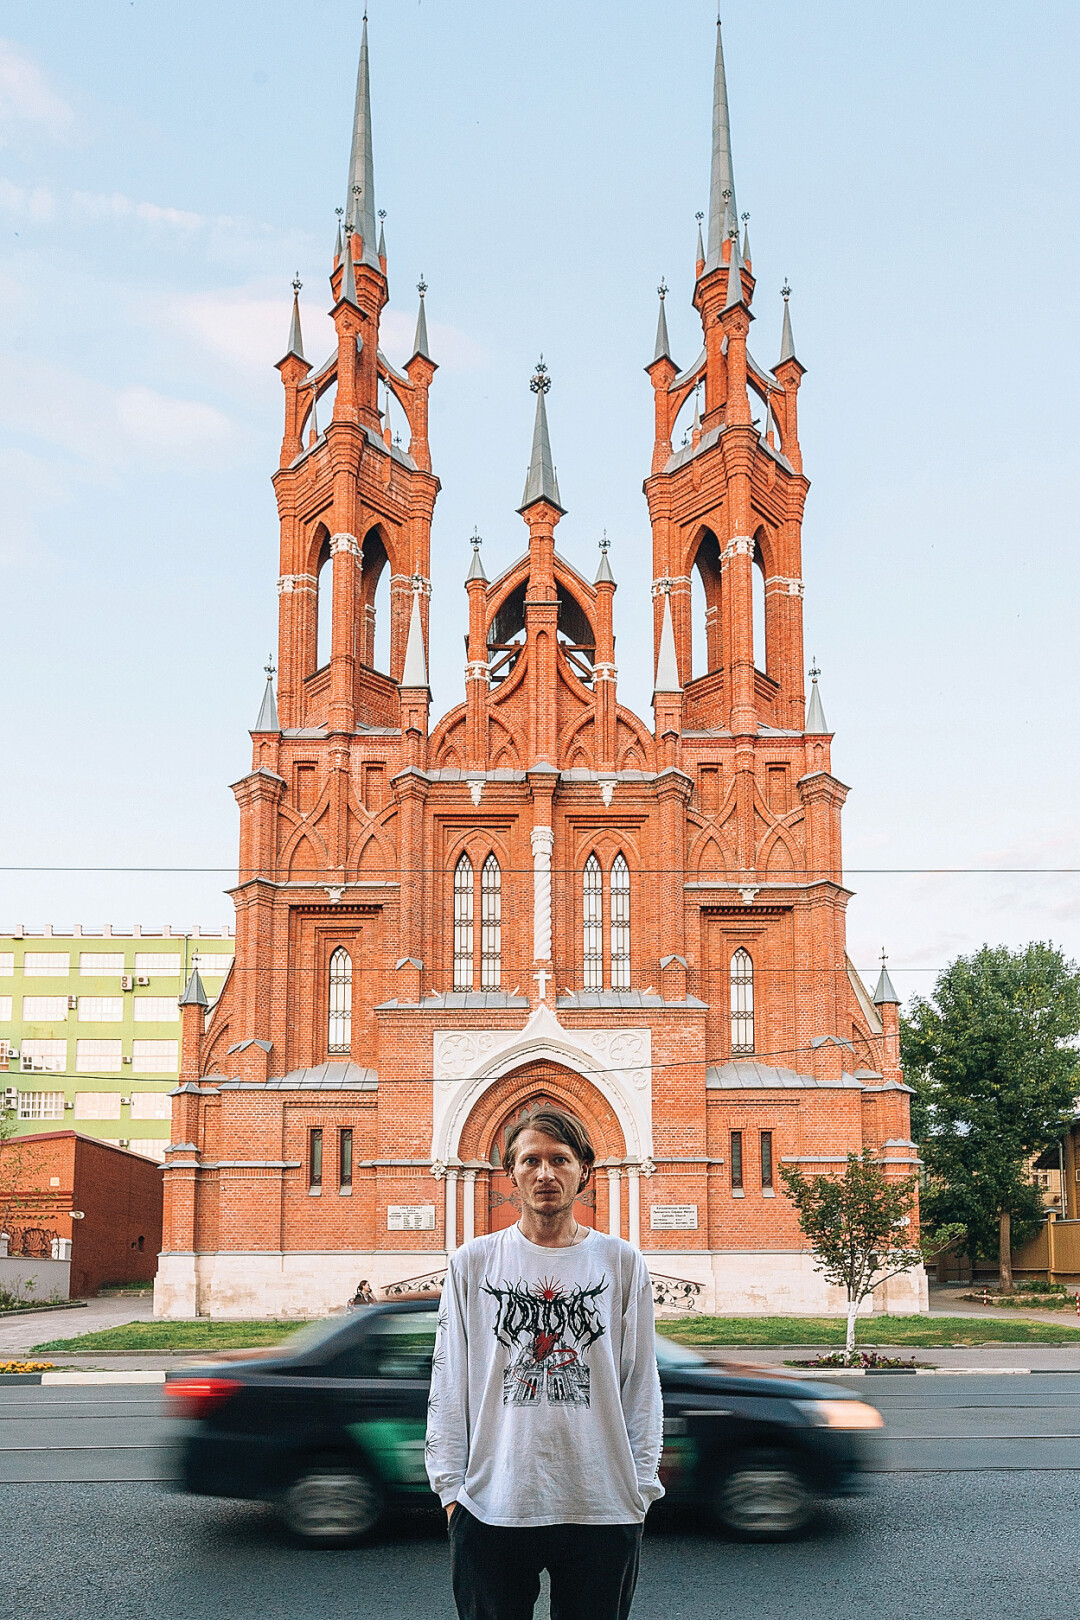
(194, 995)
(747, 1074)
(334, 1076)
(884, 991)
(414, 673)
(815, 713)
(464, 1001)
(662, 350)
(360, 193)
(348, 275)
(722, 176)
(700, 246)
(746, 246)
(541, 483)
(735, 294)
(787, 342)
(685, 376)
(476, 567)
(296, 341)
(420, 341)
(613, 1000)
(382, 241)
(667, 665)
(268, 715)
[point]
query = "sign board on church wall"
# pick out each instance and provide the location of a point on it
(412, 1218)
(673, 1217)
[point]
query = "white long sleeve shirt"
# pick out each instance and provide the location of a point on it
(545, 1400)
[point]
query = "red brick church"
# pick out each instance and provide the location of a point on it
(543, 897)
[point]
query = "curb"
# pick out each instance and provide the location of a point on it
(811, 1373)
(146, 1376)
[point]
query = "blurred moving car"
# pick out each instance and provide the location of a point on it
(330, 1425)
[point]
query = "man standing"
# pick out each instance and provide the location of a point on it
(545, 1420)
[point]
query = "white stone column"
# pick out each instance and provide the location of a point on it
(633, 1205)
(468, 1207)
(451, 1211)
(543, 840)
(614, 1220)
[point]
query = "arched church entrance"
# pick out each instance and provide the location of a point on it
(518, 1095)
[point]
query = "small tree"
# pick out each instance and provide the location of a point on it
(859, 1227)
(993, 1059)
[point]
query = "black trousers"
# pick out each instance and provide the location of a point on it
(496, 1570)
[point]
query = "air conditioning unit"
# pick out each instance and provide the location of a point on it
(125, 1102)
(127, 981)
(143, 980)
(13, 1054)
(11, 1097)
(73, 1002)
(124, 1141)
(69, 1105)
(127, 1060)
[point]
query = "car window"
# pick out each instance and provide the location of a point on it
(395, 1346)
(670, 1355)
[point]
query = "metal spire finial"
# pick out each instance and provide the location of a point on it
(421, 285)
(476, 567)
(269, 668)
(420, 340)
(605, 543)
(297, 284)
(477, 539)
(540, 383)
(785, 291)
(542, 482)
(662, 289)
(814, 671)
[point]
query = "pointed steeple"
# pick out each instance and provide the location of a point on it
(663, 342)
(884, 992)
(296, 342)
(382, 234)
(696, 429)
(787, 342)
(268, 715)
(414, 673)
(194, 995)
(735, 294)
(348, 274)
(337, 238)
(667, 665)
(420, 341)
(360, 194)
(815, 713)
(700, 243)
(722, 179)
(541, 483)
(746, 240)
(604, 576)
(476, 567)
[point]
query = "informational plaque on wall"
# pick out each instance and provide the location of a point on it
(418, 1218)
(673, 1217)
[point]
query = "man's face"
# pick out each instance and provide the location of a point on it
(548, 1174)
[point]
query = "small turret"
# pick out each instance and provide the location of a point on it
(815, 712)
(541, 483)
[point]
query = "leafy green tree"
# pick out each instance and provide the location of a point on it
(993, 1061)
(859, 1224)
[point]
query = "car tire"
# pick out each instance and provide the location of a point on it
(332, 1504)
(763, 1496)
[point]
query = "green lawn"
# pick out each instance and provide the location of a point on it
(198, 1335)
(928, 1331)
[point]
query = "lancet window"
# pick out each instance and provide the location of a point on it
(593, 925)
(463, 924)
(339, 1017)
(742, 1004)
(490, 924)
(620, 924)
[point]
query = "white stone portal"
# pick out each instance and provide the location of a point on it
(618, 1062)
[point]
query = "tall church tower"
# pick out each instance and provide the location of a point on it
(546, 899)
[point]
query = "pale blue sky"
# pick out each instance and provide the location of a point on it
(164, 169)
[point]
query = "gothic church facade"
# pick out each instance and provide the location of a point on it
(542, 897)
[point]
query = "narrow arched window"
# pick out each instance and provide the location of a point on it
(490, 924)
(742, 1004)
(620, 924)
(324, 609)
(339, 1019)
(593, 922)
(463, 924)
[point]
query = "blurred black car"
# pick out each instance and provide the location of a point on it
(330, 1425)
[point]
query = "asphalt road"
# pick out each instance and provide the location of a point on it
(973, 1514)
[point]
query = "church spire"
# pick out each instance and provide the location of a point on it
(420, 341)
(541, 483)
(787, 342)
(268, 715)
(360, 196)
(663, 342)
(667, 665)
(815, 714)
(296, 341)
(722, 180)
(414, 672)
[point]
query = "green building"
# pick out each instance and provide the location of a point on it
(90, 1028)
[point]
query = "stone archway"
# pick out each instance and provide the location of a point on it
(521, 1091)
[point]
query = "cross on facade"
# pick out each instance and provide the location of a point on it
(543, 976)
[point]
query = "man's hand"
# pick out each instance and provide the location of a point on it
(450, 1511)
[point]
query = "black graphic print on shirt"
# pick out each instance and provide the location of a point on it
(547, 1330)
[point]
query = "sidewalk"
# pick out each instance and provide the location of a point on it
(947, 1301)
(41, 1327)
